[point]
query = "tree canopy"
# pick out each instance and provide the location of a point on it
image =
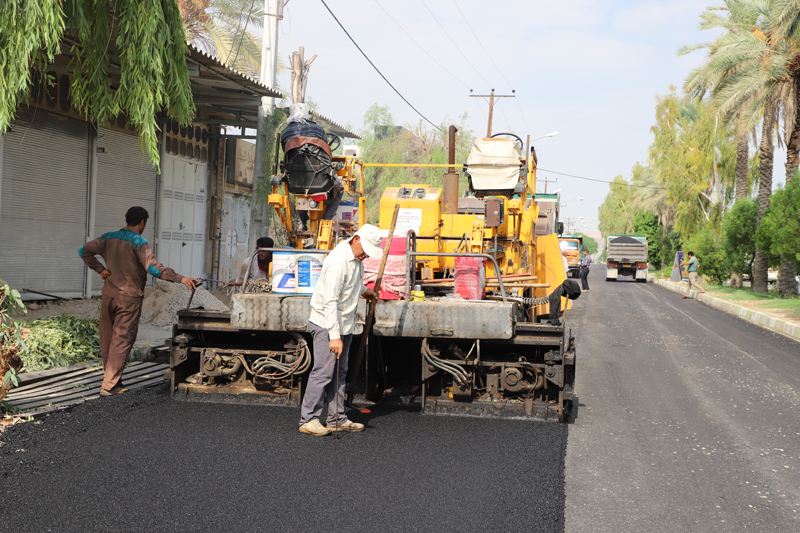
(143, 42)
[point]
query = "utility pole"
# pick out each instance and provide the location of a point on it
(491, 98)
(546, 181)
(273, 12)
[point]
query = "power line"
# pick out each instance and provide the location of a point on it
(601, 181)
(499, 102)
(376, 68)
(480, 43)
(454, 43)
(493, 63)
(420, 46)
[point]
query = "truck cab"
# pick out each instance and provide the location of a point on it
(572, 250)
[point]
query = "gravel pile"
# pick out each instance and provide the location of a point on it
(162, 303)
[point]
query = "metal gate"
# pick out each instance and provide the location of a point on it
(45, 179)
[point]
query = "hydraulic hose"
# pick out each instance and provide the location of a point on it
(453, 369)
(263, 365)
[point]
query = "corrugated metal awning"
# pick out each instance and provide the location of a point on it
(224, 95)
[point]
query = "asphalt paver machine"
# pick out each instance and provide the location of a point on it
(504, 351)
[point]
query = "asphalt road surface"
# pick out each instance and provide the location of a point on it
(142, 462)
(687, 419)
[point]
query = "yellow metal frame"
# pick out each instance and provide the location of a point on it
(518, 249)
(352, 175)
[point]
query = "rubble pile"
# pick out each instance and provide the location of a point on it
(162, 303)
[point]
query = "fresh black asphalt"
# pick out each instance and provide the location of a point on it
(686, 421)
(143, 462)
(688, 417)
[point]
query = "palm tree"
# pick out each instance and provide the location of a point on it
(753, 82)
(741, 17)
(224, 28)
(785, 18)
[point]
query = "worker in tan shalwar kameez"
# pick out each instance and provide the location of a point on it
(128, 258)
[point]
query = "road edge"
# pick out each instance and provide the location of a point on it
(771, 323)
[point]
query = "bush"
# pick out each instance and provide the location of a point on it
(778, 236)
(708, 249)
(739, 237)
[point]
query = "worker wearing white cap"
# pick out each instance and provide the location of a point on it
(331, 323)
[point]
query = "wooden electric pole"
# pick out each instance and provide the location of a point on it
(491, 98)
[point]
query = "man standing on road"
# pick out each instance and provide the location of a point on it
(587, 260)
(128, 259)
(693, 264)
(332, 320)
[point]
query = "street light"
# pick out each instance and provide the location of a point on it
(551, 134)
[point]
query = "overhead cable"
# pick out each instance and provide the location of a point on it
(454, 43)
(601, 181)
(493, 63)
(421, 47)
(376, 68)
(480, 43)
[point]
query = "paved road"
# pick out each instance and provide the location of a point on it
(143, 462)
(687, 421)
(688, 417)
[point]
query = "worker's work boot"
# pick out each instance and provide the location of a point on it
(347, 425)
(313, 427)
(117, 389)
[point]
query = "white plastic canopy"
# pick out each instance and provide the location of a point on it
(494, 164)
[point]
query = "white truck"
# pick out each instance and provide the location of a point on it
(626, 255)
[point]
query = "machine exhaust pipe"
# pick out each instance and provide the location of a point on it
(450, 191)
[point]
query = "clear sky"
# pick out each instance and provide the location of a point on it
(585, 68)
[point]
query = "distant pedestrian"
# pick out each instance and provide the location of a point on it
(587, 260)
(693, 264)
(128, 258)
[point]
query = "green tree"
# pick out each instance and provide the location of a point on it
(648, 224)
(693, 155)
(143, 40)
(590, 245)
(739, 236)
(617, 211)
(706, 245)
(779, 232)
(735, 17)
(382, 141)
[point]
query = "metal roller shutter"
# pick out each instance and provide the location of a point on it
(44, 203)
(125, 178)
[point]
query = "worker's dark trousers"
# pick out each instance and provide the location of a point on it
(119, 325)
(322, 380)
(584, 276)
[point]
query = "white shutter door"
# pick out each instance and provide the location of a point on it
(44, 203)
(125, 178)
(183, 215)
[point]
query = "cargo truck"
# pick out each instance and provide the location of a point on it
(626, 255)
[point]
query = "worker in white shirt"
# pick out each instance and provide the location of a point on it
(332, 320)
